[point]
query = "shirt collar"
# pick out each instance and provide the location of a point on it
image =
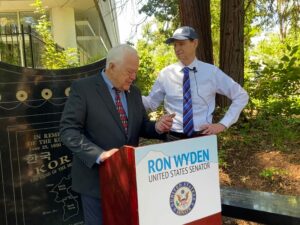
(106, 80)
(191, 66)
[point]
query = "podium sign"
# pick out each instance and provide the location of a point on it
(171, 183)
(178, 182)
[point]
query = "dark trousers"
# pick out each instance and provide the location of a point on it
(92, 210)
(174, 136)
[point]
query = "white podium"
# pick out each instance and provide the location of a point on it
(172, 183)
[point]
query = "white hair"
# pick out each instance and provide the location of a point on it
(117, 53)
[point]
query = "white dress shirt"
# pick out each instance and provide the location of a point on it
(206, 81)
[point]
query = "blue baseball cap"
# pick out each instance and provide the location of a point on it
(183, 33)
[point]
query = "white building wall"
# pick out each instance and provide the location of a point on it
(108, 12)
(63, 27)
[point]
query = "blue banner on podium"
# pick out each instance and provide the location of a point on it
(178, 182)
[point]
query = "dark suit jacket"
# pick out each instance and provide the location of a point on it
(90, 124)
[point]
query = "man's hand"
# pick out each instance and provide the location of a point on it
(105, 155)
(164, 123)
(214, 128)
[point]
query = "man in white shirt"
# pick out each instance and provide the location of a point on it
(205, 81)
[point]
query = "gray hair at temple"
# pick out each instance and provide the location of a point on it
(117, 53)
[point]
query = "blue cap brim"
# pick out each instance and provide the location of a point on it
(176, 37)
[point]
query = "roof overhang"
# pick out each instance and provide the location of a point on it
(24, 5)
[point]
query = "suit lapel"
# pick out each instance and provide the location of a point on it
(107, 99)
(131, 104)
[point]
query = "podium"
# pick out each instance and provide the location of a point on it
(172, 183)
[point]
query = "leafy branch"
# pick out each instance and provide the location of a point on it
(52, 58)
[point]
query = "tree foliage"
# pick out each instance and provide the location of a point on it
(154, 53)
(274, 85)
(52, 58)
(271, 69)
(165, 11)
(282, 13)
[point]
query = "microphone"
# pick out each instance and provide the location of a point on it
(194, 69)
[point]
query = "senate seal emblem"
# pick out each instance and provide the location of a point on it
(183, 198)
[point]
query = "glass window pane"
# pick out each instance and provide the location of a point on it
(8, 22)
(8, 19)
(28, 18)
(92, 38)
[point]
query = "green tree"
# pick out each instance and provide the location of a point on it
(154, 54)
(273, 65)
(232, 42)
(51, 57)
(282, 13)
(274, 83)
(165, 11)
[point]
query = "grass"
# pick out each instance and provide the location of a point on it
(272, 173)
(277, 132)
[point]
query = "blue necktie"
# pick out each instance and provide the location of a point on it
(188, 124)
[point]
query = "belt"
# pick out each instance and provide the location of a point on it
(184, 136)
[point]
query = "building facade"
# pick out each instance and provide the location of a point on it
(90, 26)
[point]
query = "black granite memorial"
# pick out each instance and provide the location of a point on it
(35, 185)
(261, 207)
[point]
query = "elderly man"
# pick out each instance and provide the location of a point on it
(103, 113)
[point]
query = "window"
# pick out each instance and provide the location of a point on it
(9, 22)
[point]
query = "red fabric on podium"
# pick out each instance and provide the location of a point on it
(118, 188)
